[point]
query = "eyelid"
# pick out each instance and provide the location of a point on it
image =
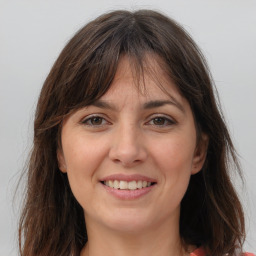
(91, 116)
(169, 119)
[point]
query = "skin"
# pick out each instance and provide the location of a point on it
(128, 137)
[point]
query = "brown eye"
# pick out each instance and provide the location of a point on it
(94, 121)
(159, 121)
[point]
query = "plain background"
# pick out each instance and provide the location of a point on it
(32, 33)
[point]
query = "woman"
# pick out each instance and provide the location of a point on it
(131, 153)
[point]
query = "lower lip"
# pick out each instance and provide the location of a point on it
(127, 194)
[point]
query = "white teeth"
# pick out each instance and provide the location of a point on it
(131, 185)
(116, 184)
(144, 184)
(123, 184)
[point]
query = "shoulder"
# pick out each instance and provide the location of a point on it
(201, 252)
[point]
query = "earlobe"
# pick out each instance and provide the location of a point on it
(200, 154)
(61, 161)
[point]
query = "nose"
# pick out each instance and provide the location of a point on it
(127, 146)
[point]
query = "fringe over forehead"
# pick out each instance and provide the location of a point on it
(87, 65)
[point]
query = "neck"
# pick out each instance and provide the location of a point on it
(157, 241)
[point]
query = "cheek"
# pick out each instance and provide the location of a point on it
(82, 159)
(82, 154)
(174, 154)
(174, 159)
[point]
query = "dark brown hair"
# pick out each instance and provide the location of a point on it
(52, 222)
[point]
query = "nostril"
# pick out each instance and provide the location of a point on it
(127, 151)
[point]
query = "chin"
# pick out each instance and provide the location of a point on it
(129, 221)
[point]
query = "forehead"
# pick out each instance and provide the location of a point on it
(147, 81)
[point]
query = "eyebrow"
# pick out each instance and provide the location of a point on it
(148, 105)
(103, 104)
(160, 103)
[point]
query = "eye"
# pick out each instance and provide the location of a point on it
(161, 121)
(94, 121)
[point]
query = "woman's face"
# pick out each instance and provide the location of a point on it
(130, 155)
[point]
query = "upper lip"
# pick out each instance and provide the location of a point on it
(131, 177)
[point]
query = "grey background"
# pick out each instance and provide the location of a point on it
(32, 33)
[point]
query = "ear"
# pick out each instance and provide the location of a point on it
(200, 154)
(61, 161)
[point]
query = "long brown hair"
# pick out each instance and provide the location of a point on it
(52, 222)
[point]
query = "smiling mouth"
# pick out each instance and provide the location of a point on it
(127, 185)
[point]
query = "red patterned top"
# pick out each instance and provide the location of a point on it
(201, 252)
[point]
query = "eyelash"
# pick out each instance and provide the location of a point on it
(167, 121)
(88, 121)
